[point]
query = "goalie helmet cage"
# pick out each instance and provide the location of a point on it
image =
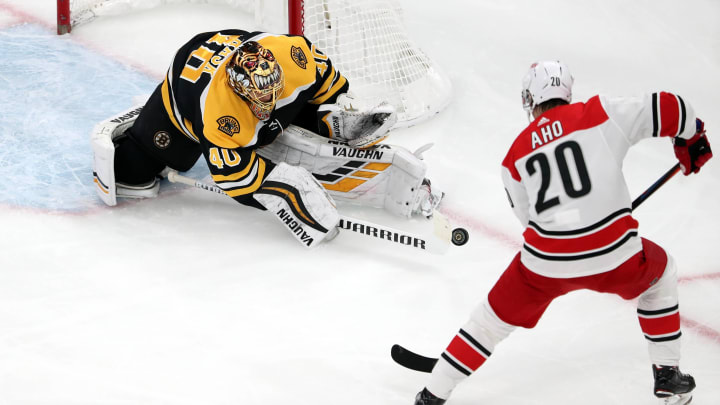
(365, 39)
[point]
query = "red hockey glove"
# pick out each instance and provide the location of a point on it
(693, 153)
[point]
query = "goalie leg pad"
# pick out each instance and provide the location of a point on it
(101, 140)
(383, 176)
(296, 198)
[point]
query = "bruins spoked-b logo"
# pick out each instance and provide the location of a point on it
(162, 139)
(298, 56)
(228, 125)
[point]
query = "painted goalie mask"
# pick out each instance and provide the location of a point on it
(256, 76)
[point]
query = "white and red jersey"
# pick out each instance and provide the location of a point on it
(563, 175)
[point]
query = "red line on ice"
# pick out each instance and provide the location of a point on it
(699, 277)
(472, 223)
(700, 329)
(23, 16)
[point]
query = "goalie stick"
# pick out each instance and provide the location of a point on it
(414, 361)
(437, 243)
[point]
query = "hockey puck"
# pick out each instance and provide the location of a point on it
(459, 236)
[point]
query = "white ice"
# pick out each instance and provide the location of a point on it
(191, 298)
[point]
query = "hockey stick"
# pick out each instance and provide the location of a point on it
(655, 186)
(436, 244)
(414, 361)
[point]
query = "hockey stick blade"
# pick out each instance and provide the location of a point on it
(413, 361)
(436, 243)
(396, 237)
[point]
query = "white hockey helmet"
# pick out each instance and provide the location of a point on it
(546, 80)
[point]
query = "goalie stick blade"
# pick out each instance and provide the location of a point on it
(431, 243)
(411, 360)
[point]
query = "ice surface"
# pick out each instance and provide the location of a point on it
(191, 298)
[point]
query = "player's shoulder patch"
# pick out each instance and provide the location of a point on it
(228, 125)
(298, 56)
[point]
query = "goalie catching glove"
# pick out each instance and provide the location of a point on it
(360, 126)
(293, 195)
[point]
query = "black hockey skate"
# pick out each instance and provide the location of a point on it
(672, 386)
(426, 397)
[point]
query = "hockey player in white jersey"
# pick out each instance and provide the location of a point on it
(563, 175)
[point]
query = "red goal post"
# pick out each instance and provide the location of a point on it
(366, 39)
(63, 17)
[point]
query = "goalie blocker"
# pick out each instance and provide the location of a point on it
(383, 176)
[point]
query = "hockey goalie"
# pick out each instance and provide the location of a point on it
(277, 127)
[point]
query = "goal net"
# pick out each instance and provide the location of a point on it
(366, 40)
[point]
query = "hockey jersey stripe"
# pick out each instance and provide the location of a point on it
(585, 255)
(455, 364)
(655, 119)
(669, 114)
(660, 326)
(241, 182)
(467, 351)
(664, 338)
(683, 115)
(336, 85)
(327, 83)
(576, 244)
(659, 312)
(240, 188)
(584, 230)
(171, 109)
(475, 343)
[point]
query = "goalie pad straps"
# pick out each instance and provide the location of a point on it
(359, 126)
(293, 195)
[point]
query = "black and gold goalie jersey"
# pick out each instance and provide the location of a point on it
(202, 105)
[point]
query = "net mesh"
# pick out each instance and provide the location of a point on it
(368, 43)
(365, 39)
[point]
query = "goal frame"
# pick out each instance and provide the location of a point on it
(63, 17)
(294, 23)
(395, 71)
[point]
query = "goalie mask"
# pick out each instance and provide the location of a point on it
(546, 80)
(256, 76)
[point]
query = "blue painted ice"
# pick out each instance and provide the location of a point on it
(53, 92)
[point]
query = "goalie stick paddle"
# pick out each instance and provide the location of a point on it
(437, 243)
(414, 361)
